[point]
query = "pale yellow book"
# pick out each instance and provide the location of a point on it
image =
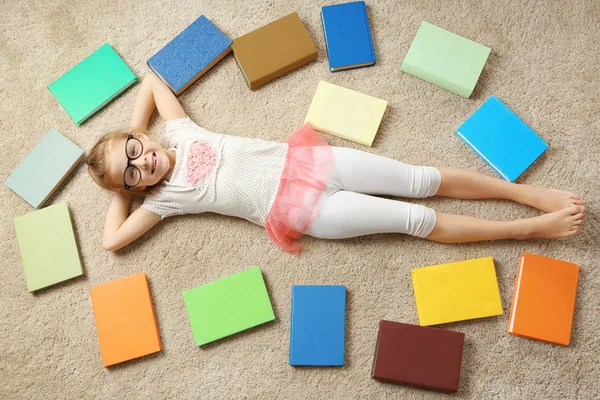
(345, 113)
(456, 291)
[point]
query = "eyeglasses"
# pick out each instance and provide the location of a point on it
(133, 150)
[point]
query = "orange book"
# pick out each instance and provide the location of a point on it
(125, 319)
(544, 299)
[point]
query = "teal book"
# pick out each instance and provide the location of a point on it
(445, 59)
(501, 139)
(228, 305)
(45, 168)
(92, 84)
(47, 246)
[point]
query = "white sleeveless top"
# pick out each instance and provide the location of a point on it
(218, 173)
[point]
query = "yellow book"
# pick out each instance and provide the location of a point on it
(456, 291)
(345, 113)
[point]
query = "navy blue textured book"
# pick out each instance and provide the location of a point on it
(501, 139)
(347, 36)
(317, 327)
(190, 55)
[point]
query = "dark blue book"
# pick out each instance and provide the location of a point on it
(191, 54)
(317, 327)
(347, 36)
(501, 139)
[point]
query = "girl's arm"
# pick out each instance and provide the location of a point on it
(120, 228)
(153, 94)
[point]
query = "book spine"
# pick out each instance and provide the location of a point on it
(515, 300)
(326, 43)
(364, 7)
(483, 157)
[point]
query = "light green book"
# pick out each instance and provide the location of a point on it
(45, 168)
(47, 245)
(445, 59)
(92, 84)
(228, 305)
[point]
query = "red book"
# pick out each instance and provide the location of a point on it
(418, 356)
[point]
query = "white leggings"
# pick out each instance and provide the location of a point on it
(348, 210)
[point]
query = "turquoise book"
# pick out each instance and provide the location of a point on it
(47, 246)
(92, 84)
(347, 36)
(228, 305)
(190, 54)
(501, 139)
(45, 168)
(318, 325)
(445, 59)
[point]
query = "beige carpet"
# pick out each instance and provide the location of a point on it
(544, 65)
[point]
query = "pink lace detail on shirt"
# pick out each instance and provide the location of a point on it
(201, 159)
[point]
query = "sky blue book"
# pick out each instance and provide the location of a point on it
(317, 327)
(501, 139)
(45, 168)
(190, 55)
(347, 36)
(93, 83)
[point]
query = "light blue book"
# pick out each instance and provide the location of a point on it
(501, 139)
(190, 54)
(317, 325)
(45, 168)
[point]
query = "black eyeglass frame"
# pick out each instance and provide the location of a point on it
(129, 159)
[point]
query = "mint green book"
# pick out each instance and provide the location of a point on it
(92, 84)
(445, 59)
(45, 168)
(47, 245)
(228, 305)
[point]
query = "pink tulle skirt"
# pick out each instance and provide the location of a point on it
(308, 164)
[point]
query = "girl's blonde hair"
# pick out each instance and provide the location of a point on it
(99, 165)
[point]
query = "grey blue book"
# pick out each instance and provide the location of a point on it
(93, 83)
(45, 168)
(190, 54)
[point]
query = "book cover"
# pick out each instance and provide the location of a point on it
(347, 36)
(274, 50)
(45, 168)
(92, 84)
(445, 59)
(47, 246)
(317, 325)
(456, 291)
(501, 139)
(345, 113)
(228, 305)
(190, 54)
(125, 319)
(543, 302)
(418, 356)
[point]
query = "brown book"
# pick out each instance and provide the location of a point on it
(418, 356)
(273, 50)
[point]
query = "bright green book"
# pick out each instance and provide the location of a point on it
(445, 59)
(47, 245)
(45, 168)
(228, 305)
(92, 84)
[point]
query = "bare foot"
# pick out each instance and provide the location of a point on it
(558, 224)
(550, 200)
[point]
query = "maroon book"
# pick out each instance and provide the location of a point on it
(418, 356)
